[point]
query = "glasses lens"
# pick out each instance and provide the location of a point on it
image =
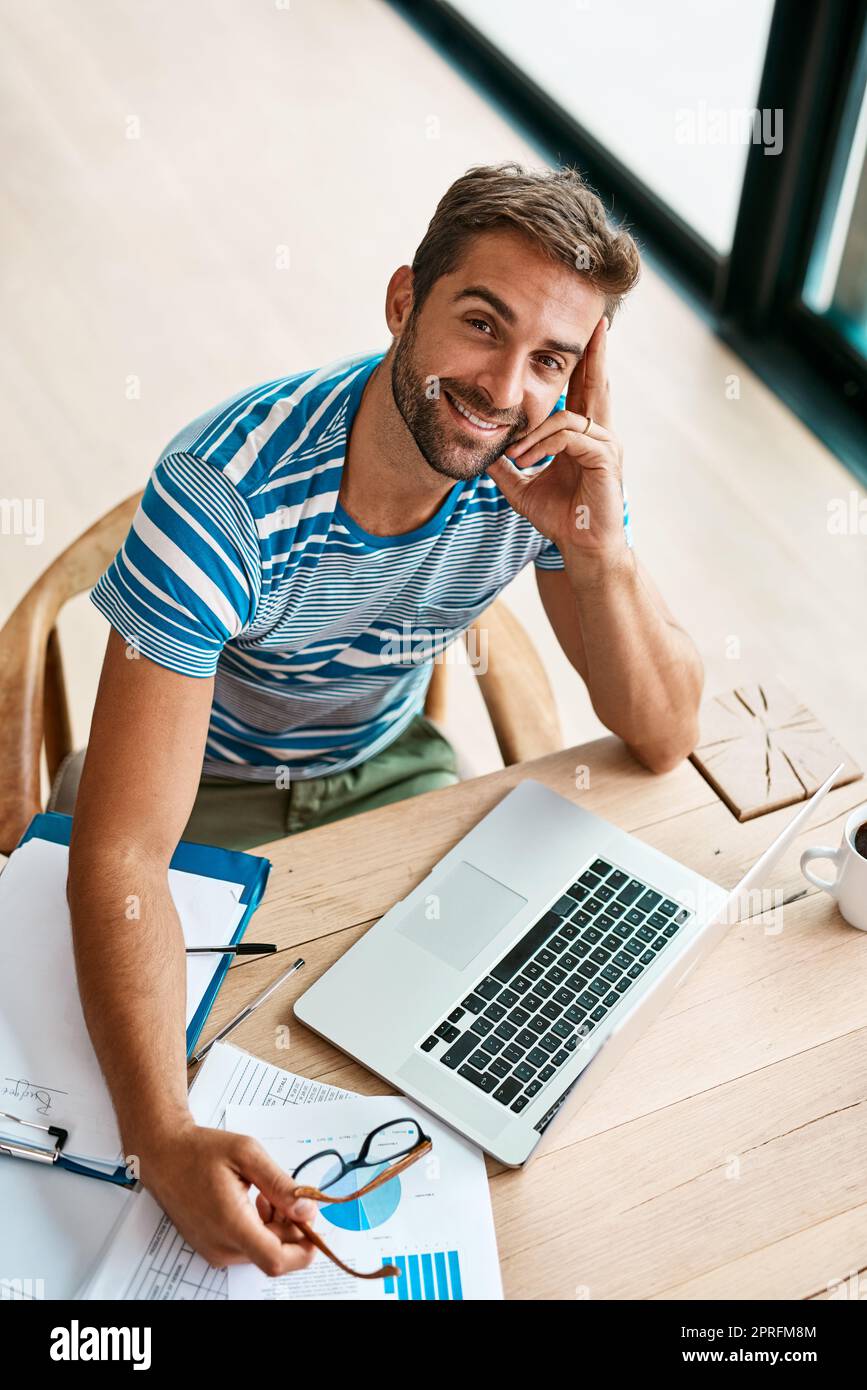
(322, 1171)
(393, 1142)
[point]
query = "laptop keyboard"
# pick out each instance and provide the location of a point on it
(523, 1020)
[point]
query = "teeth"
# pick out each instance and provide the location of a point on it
(474, 419)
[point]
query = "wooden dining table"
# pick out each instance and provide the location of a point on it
(726, 1154)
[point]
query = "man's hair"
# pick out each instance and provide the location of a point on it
(554, 208)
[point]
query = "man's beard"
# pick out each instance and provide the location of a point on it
(438, 441)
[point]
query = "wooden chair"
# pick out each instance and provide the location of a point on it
(34, 712)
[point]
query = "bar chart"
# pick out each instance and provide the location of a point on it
(425, 1276)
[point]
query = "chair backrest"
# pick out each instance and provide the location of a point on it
(34, 710)
(33, 706)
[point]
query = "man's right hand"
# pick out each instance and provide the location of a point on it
(201, 1179)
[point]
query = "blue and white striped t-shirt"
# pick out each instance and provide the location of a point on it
(242, 562)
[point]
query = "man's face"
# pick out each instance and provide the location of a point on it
(496, 339)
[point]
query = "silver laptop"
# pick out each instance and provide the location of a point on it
(504, 987)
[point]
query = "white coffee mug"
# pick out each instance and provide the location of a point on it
(850, 885)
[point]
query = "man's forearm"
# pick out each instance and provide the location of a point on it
(131, 966)
(644, 674)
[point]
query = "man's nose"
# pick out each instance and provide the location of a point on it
(502, 380)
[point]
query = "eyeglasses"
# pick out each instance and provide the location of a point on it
(390, 1148)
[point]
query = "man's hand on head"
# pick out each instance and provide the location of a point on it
(577, 500)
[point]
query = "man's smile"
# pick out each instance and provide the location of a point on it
(477, 423)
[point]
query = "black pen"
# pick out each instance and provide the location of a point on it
(244, 948)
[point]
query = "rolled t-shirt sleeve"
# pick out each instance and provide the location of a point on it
(188, 576)
(549, 557)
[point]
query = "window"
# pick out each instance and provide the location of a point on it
(731, 137)
(668, 88)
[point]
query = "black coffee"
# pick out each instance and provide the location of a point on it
(861, 840)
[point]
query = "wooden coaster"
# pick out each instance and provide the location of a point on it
(761, 749)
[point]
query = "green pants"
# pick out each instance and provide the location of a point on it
(238, 814)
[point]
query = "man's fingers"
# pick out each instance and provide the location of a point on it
(510, 480)
(551, 431)
(290, 1258)
(286, 1232)
(596, 394)
(257, 1167)
(503, 471)
(562, 447)
(261, 1245)
(284, 1229)
(275, 1248)
(298, 1256)
(575, 389)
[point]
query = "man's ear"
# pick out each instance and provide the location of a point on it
(399, 300)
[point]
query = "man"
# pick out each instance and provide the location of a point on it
(284, 541)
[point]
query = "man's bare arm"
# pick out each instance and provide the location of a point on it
(641, 668)
(138, 786)
(137, 790)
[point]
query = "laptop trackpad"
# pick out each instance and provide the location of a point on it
(460, 913)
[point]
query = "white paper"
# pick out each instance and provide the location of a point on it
(49, 1072)
(433, 1221)
(149, 1259)
(53, 1228)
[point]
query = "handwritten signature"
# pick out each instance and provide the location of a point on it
(22, 1089)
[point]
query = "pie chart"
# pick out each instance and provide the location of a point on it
(367, 1212)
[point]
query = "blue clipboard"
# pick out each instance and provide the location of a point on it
(233, 866)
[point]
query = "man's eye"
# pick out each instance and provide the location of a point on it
(480, 323)
(551, 364)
